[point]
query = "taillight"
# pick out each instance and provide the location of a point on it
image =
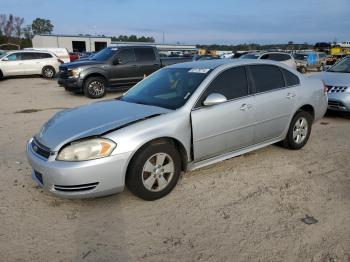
(60, 61)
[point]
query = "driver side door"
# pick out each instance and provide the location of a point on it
(228, 126)
(124, 68)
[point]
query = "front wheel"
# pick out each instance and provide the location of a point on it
(94, 87)
(299, 130)
(48, 72)
(154, 171)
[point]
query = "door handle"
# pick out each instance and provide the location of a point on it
(245, 107)
(290, 95)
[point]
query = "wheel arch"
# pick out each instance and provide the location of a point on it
(1, 74)
(164, 140)
(307, 108)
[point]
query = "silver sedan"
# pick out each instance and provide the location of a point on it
(180, 118)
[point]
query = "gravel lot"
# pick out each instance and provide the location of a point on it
(248, 208)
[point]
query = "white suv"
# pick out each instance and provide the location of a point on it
(16, 63)
(282, 57)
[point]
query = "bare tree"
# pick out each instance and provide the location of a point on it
(3, 19)
(9, 27)
(18, 26)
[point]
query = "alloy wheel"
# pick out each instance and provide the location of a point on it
(300, 130)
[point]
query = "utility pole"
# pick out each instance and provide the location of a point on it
(163, 38)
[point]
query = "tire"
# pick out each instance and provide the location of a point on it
(302, 70)
(94, 87)
(1, 75)
(319, 69)
(298, 136)
(48, 72)
(157, 182)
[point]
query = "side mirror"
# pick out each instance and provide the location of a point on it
(116, 61)
(5, 59)
(214, 99)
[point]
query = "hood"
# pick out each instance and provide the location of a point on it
(335, 79)
(80, 63)
(90, 120)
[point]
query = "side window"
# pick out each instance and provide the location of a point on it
(145, 54)
(14, 57)
(266, 56)
(232, 83)
(29, 56)
(45, 55)
(126, 55)
(280, 57)
(266, 77)
(291, 79)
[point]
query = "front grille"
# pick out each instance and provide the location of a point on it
(76, 188)
(336, 89)
(63, 72)
(335, 105)
(40, 149)
(39, 176)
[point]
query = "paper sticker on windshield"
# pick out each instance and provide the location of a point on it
(199, 70)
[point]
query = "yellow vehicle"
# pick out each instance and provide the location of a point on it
(340, 50)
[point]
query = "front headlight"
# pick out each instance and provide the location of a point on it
(87, 150)
(75, 72)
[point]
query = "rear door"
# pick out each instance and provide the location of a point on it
(228, 126)
(124, 73)
(13, 65)
(274, 100)
(32, 63)
(147, 61)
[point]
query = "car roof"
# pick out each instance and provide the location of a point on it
(215, 63)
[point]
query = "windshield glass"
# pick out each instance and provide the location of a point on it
(2, 55)
(341, 67)
(104, 54)
(169, 87)
(250, 56)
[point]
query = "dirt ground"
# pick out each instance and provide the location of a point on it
(248, 208)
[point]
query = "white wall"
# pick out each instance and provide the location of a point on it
(66, 41)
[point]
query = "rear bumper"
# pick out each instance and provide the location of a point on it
(85, 179)
(71, 84)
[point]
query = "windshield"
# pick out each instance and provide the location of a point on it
(104, 54)
(250, 56)
(2, 54)
(169, 87)
(341, 67)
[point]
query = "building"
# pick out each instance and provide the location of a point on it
(161, 47)
(72, 42)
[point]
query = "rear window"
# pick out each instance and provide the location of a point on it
(145, 54)
(266, 77)
(45, 55)
(291, 79)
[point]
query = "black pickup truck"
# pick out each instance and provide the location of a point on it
(120, 66)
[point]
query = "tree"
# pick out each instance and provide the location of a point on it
(9, 27)
(18, 26)
(42, 26)
(3, 19)
(27, 32)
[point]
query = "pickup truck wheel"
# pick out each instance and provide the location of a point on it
(154, 171)
(94, 87)
(299, 130)
(48, 72)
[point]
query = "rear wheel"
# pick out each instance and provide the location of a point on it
(48, 72)
(299, 130)
(154, 171)
(94, 87)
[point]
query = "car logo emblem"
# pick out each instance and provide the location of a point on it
(35, 148)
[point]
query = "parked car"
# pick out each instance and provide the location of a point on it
(74, 56)
(344, 44)
(337, 80)
(310, 60)
(26, 62)
(204, 57)
(182, 117)
(282, 57)
(332, 59)
(61, 53)
(112, 66)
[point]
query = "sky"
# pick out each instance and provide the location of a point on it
(195, 21)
